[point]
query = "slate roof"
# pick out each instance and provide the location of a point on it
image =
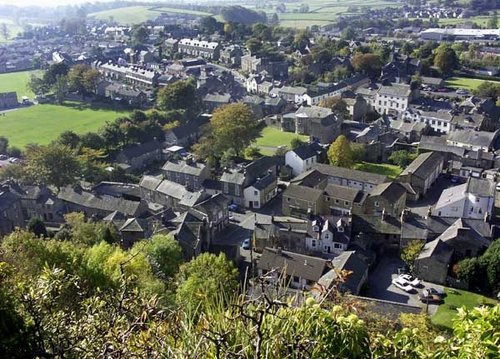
(459, 228)
(438, 250)
(293, 264)
(285, 224)
(194, 169)
(172, 189)
(264, 182)
(438, 144)
(473, 138)
(150, 182)
(309, 178)
(139, 149)
(396, 90)
(313, 112)
(7, 199)
(344, 193)
(350, 261)
(347, 173)
(423, 165)
(133, 225)
(104, 203)
(233, 177)
(303, 193)
(392, 191)
(481, 187)
(305, 152)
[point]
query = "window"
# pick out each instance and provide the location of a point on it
(340, 229)
(327, 236)
(346, 203)
(377, 204)
(313, 243)
(336, 201)
(256, 193)
(237, 190)
(337, 245)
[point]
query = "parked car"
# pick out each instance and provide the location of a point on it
(454, 179)
(497, 187)
(233, 219)
(431, 299)
(433, 291)
(402, 284)
(414, 282)
(3, 157)
(462, 92)
(233, 207)
(246, 244)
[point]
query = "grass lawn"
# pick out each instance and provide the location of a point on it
(12, 28)
(385, 169)
(43, 123)
(16, 81)
(456, 298)
(465, 83)
(271, 137)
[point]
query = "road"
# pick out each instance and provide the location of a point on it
(451, 94)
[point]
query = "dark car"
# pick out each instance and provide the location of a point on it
(431, 299)
(433, 291)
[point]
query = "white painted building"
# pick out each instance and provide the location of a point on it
(301, 159)
(393, 98)
(261, 191)
(472, 200)
(328, 238)
(439, 121)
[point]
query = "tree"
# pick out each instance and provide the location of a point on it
(296, 142)
(358, 152)
(53, 72)
(54, 164)
(493, 21)
(253, 45)
(69, 138)
(252, 152)
(488, 89)
(180, 95)
(206, 279)
(83, 79)
(400, 158)
(336, 104)
(37, 227)
(411, 252)
(4, 144)
(233, 127)
(208, 25)
(60, 88)
(370, 64)
(164, 253)
(341, 72)
(349, 33)
(445, 59)
(140, 34)
(340, 153)
(4, 30)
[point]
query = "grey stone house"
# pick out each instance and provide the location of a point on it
(138, 156)
(422, 173)
(188, 173)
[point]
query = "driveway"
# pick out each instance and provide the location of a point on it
(432, 196)
(380, 285)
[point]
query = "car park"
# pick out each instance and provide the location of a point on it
(402, 284)
(414, 282)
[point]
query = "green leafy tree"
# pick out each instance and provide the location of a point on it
(233, 127)
(445, 59)
(69, 138)
(336, 104)
(411, 252)
(180, 95)
(4, 30)
(296, 142)
(4, 144)
(252, 152)
(371, 64)
(140, 34)
(164, 254)
(206, 279)
(83, 79)
(493, 21)
(53, 72)
(400, 158)
(60, 88)
(358, 152)
(340, 153)
(37, 227)
(488, 89)
(53, 164)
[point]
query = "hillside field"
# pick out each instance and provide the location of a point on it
(465, 83)
(43, 123)
(17, 81)
(137, 14)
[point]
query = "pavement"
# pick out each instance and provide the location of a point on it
(380, 285)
